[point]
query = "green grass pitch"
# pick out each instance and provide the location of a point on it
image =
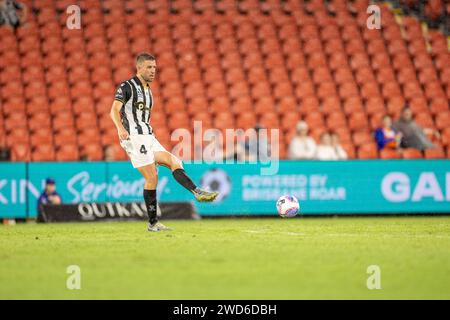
(306, 258)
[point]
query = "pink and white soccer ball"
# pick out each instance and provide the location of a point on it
(288, 206)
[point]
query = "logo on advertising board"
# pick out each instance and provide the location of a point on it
(400, 187)
(217, 180)
(302, 186)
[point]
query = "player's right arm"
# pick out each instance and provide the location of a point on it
(122, 95)
(115, 116)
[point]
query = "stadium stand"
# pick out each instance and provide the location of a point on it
(228, 63)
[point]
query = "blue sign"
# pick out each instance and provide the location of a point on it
(322, 187)
(13, 190)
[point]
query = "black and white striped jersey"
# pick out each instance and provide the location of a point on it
(137, 104)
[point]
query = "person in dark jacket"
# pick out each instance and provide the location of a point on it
(49, 195)
(413, 136)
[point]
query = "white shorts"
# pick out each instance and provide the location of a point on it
(141, 149)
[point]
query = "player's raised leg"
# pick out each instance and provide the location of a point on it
(151, 180)
(168, 160)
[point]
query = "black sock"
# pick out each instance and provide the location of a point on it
(183, 179)
(150, 204)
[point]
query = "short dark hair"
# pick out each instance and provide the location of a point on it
(144, 56)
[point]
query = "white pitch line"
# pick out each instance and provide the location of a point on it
(256, 231)
(294, 233)
(350, 234)
(386, 235)
(273, 232)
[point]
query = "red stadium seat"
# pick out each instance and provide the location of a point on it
(226, 63)
(337, 120)
(204, 118)
(224, 120)
(243, 104)
(67, 152)
(92, 151)
(246, 120)
(43, 135)
(362, 137)
(358, 121)
(20, 152)
(19, 135)
(63, 120)
(411, 154)
(389, 154)
(269, 120)
(43, 152)
(436, 153)
(264, 105)
(368, 151)
(446, 136)
(65, 136)
(15, 121)
(88, 135)
(86, 120)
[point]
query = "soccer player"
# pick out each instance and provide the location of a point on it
(130, 113)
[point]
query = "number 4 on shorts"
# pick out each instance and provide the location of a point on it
(143, 150)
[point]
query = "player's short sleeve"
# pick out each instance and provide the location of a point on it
(123, 92)
(18, 5)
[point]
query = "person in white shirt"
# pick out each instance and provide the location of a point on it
(302, 146)
(325, 150)
(340, 152)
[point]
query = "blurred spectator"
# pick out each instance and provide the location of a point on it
(386, 136)
(302, 146)
(239, 151)
(256, 147)
(341, 154)
(325, 149)
(2, 16)
(213, 150)
(13, 13)
(434, 12)
(49, 195)
(248, 149)
(109, 153)
(413, 136)
(5, 154)
(263, 146)
(447, 19)
(231, 149)
(198, 145)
